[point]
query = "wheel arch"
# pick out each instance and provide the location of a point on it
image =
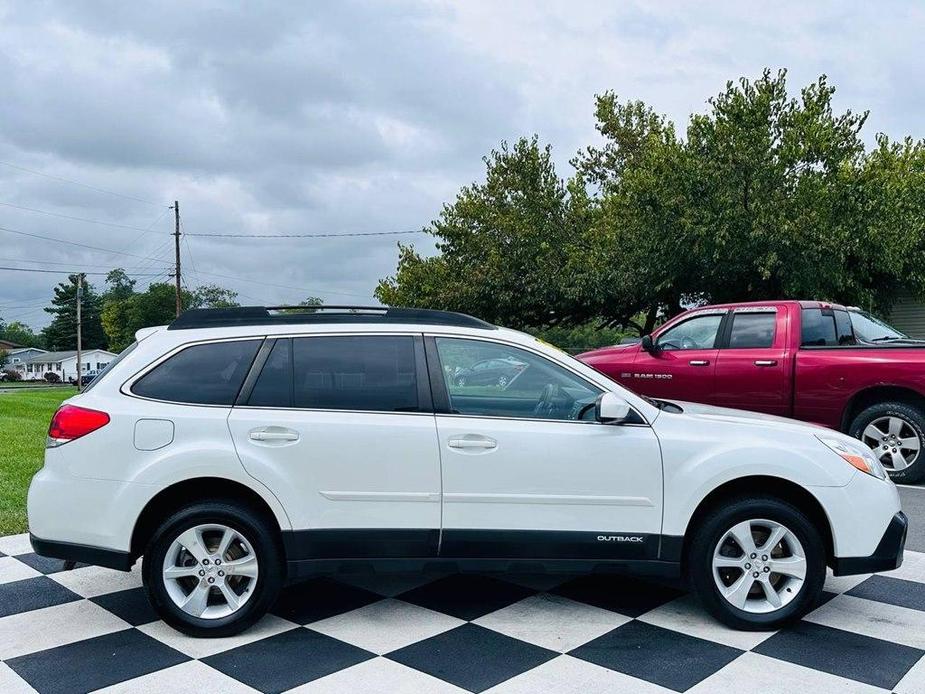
(762, 485)
(181, 493)
(879, 393)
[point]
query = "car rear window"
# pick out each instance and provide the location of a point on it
(826, 327)
(752, 330)
(207, 374)
(364, 372)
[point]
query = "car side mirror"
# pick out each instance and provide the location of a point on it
(648, 344)
(610, 408)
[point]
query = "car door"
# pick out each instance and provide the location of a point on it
(751, 365)
(683, 363)
(340, 428)
(528, 473)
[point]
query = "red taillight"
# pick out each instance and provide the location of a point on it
(71, 422)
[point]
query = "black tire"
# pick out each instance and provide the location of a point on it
(712, 529)
(911, 415)
(265, 542)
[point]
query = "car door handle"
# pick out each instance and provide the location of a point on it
(273, 435)
(766, 362)
(699, 362)
(481, 442)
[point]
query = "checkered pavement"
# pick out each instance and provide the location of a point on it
(91, 628)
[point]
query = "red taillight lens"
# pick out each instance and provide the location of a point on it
(71, 422)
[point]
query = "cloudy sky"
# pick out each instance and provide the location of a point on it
(354, 117)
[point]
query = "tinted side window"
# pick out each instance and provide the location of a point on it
(818, 328)
(209, 374)
(752, 330)
(696, 333)
(274, 385)
(362, 372)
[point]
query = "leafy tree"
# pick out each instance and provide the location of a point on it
(119, 285)
(154, 306)
(123, 317)
(61, 333)
(307, 303)
(503, 245)
(4, 357)
(21, 334)
(764, 196)
(211, 296)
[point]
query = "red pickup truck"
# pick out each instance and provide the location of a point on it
(800, 359)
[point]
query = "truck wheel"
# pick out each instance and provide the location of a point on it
(895, 432)
(757, 563)
(213, 569)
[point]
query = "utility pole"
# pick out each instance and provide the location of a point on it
(80, 294)
(176, 248)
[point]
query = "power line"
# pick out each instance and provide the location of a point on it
(69, 272)
(70, 243)
(78, 183)
(309, 236)
(68, 264)
(76, 219)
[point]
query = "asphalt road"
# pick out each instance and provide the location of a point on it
(913, 499)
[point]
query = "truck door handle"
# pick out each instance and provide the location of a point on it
(699, 362)
(472, 442)
(766, 362)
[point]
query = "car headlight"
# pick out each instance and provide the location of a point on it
(858, 455)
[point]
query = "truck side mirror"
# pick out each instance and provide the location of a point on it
(610, 408)
(648, 345)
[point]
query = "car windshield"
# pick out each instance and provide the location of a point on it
(871, 329)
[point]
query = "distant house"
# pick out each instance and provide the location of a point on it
(64, 364)
(908, 316)
(20, 355)
(7, 346)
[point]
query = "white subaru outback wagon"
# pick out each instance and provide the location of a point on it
(238, 449)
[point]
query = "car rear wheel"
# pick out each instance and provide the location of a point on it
(213, 569)
(895, 432)
(757, 563)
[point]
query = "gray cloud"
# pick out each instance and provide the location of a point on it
(357, 116)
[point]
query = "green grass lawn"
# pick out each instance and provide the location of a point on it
(24, 418)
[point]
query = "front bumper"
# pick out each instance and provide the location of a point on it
(887, 556)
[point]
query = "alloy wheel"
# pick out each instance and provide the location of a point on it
(210, 571)
(759, 566)
(893, 440)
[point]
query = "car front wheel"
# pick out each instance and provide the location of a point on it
(213, 569)
(757, 563)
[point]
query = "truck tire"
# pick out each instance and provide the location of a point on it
(757, 563)
(895, 431)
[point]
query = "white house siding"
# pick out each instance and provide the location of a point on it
(64, 364)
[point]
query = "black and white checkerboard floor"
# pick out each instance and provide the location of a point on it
(91, 628)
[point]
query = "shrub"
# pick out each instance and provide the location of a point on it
(12, 375)
(52, 377)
